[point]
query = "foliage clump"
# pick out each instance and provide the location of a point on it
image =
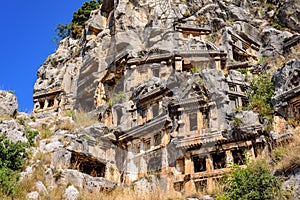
(251, 183)
(12, 158)
(262, 89)
(79, 18)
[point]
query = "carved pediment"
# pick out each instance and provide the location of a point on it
(151, 52)
(152, 88)
(196, 44)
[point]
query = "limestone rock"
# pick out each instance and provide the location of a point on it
(13, 131)
(33, 196)
(272, 41)
(148, 184)
(293, 184)
(164, 80)
(287, 89)
(8, 104)
(71, 193)
(289, 14)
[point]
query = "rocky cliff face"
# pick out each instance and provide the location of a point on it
(121, 30)
(168, 81)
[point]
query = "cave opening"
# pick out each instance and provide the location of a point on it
(87, 165)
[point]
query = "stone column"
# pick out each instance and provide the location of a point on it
(209, 163)
(46, 104)
(229, 158)
(152, 142)
(250, 155)
(218, 63)
(143, 166)
(178, 64)
(164, 164)
(189, 186)
(149, 113)
(160, 107)
(189, 167)
(209, 168)
(200, 121)
(132, 170)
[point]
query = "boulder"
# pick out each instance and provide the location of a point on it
(13, 131)
(71, 193)
(289, 15)
(8, 104)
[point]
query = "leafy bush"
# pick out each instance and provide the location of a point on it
(12, 158)
(253, 182)
(30, 135)
(79, 18)
(262, 89)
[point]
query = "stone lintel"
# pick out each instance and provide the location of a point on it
(201, 137)
(150, 127)
(292, 41)
(193, 29)
(201, 53)
(236, 94)
(142, 99)
(150, 59)
(236, 65)
(251, 40)
(286, 96)
(45, 94)
(234, 82)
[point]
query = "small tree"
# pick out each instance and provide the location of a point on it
(252, 183)
(262, 89)
(12, 158)
(79, 18)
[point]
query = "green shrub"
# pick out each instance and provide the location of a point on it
(8, 181)
(30, 135)
(115, 99)
(251, 183)
(79, 18)
(262, 89)
(12, 158)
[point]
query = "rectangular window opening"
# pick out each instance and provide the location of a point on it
(238, 156)
(193, 122)
(155, 110)
(219, 160)
(199, 164)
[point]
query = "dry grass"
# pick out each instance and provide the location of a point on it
(4, 118)
(28, 183)
(84, 119)
(128, 193)
(66, 125)
(287, 157)
(45, 132)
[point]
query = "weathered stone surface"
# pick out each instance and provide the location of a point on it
(287, 91)
(46, 146)
(273, 41)
(160, 77)
(8, 104)
(71, 193)
(75, 177)
(13, 131)
(293, 184)
(289, 14)
(33, 195)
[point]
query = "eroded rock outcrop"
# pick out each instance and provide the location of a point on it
(8, 104)
(161, 77)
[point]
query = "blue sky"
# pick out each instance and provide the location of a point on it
(27, 30)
